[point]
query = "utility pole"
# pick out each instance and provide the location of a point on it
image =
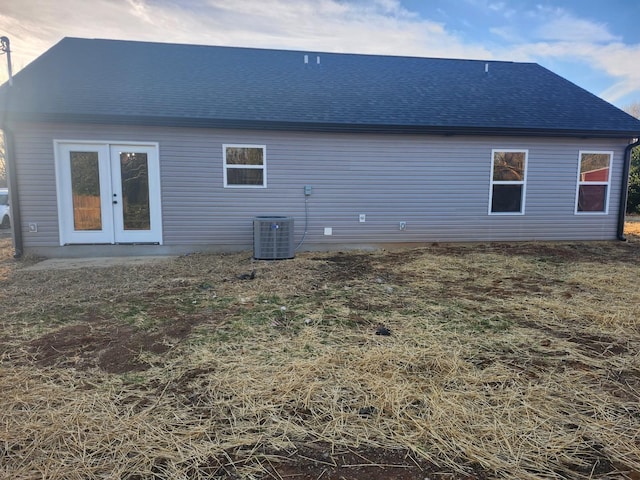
(5, 48)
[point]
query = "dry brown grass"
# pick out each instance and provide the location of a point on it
(632, 227)
(505, 361)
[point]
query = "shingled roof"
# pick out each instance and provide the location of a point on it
(124, 82)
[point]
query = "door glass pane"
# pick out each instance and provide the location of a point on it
(85, 188)
(134, 171)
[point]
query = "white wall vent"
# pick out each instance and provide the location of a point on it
(273, 238)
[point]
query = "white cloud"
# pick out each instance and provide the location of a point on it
(497, 7)
(572, 29)
(507, 33)
(558, 24)
(382, 26)
(614, 60)
(393, 7)
(558, 35)
(618, 60)
(619, 90)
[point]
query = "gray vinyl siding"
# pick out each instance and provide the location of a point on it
(438, 185)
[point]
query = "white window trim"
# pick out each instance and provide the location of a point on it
(607, 183)
(510, 182)
(262, 167)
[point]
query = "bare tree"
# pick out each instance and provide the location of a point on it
(633, 109)
(633, 201)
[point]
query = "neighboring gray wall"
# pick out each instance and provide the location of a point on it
(438, 185)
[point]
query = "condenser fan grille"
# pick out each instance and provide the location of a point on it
(273, 238)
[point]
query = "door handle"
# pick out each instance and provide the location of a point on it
(115, 201)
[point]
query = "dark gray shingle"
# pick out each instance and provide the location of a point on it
(189, 85)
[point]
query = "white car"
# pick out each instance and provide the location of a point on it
(5, 219)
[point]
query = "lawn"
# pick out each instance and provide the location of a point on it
(450, 361)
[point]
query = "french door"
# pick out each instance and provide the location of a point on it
(108, 193)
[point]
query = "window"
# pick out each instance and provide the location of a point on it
(508, 182)
(594, 177)
(244, 166)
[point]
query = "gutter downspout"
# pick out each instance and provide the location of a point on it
(9, 158)
(16, 223)
(624, 193)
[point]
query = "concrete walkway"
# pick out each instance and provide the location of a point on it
(99, 262)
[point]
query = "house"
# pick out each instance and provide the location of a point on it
(119, 147)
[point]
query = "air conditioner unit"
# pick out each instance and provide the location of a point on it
(273, 238)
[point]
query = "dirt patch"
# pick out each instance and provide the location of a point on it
(548, 252)
(112, 347)
(319, 461)
(599, 345)
(344, 267)
(323, 462)
(625, 384)
(314, 461)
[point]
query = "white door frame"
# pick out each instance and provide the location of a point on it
(112, 231)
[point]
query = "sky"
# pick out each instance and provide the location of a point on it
(593, 43)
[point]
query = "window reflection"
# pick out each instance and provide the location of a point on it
(85, 188)
(134, 172)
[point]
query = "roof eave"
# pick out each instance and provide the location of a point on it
(249, 124)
